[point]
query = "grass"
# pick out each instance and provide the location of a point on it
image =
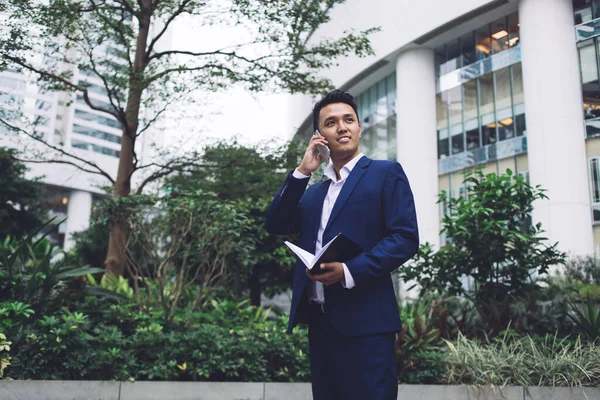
(546, 361)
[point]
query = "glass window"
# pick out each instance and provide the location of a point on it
(486, 109)
(95, 102)
(440, 59)
(369, 140)
(391, 97)
(499, 36)
(93, 88)
(517, 79)
(43, 105)
(595, 177)
(506, 127)
(458, 141)
(513, 30)
(95, 148)
(442, 123)
(442, 110)
(596, 8)
(589, 80)
(583, 11)
(488, 133)
(587, 59)
(521, 126)
(452, 57)
(503, 95)
(467, 48)
(472, 134)
(381, 110)
(10, 83)
(486, 95)
(84, 130)
(470, 93)
(113, 123)
(7, 98)
(471, 120)
(392, 143)
(455, 110)
(443, 145)
(483, 44)
(455, 105)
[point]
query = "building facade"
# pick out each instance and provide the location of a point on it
(477, 83)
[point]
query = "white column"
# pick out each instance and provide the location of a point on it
(416, 132)
(554, 116)
(417, 141)
(79, 210)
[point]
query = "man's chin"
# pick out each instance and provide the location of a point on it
(343, 152)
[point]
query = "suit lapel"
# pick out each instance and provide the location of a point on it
(351, 182)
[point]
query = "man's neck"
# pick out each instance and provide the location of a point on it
(338, 163)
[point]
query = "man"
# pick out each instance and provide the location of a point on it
(351, 308)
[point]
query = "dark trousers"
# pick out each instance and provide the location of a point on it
(350, 368)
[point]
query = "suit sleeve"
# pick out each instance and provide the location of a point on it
(401, 240)
(283, 216)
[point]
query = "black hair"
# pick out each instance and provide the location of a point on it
(334, 96)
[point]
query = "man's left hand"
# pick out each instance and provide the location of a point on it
(333, 273)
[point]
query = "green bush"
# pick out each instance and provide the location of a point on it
(33, 271)
(4, 357)
(137, 345)
(583, 269)
(418, 352)
(546, 361)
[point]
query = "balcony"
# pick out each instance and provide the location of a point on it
(587, 30)
(482, 155)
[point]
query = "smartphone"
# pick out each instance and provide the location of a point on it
(323, 150)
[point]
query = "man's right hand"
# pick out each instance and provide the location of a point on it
(312, 158)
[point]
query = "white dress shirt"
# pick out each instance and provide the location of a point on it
(316, 292)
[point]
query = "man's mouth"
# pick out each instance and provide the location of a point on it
(343, 139)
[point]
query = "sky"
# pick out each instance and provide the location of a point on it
(249, 117)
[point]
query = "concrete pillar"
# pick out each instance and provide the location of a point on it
(417, 141)
(79, 210)
(555, 126)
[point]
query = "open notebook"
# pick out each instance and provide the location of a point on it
(339, 249)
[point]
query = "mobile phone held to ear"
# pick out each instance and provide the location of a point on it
(323, 150)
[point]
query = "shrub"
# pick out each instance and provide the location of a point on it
(491, 244)
(583, 269)
(4, 357)
(547, 361)
(119, 342)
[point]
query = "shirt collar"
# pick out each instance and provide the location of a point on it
(344, 172)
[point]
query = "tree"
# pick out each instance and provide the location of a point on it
(21, 199)
(491, 243)
(249, 176)
(119, 42)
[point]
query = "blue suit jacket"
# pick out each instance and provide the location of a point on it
(375, 209)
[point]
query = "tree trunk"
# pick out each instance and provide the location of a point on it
(255, 289)
(116, 254)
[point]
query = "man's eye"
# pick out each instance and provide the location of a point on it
(350, 119)
(329, 123)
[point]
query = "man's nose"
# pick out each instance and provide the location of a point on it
(342, 128)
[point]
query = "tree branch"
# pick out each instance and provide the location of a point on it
(180, 9)
(62, 80)
(96, 169)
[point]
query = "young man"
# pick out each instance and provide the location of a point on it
(351, 308)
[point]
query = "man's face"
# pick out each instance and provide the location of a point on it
(339, 125)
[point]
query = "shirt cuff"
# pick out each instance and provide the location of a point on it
(299, 175)
(348, 282)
